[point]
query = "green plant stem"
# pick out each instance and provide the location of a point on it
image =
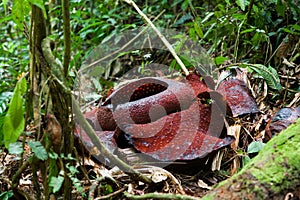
(135, 175)
(236, 44)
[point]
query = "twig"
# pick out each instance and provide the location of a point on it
(163, 39)
(161, 196)
(111, 194)
(170, 176)
(91, 133)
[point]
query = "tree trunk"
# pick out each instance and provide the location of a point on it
(60, 97)
(272, 174)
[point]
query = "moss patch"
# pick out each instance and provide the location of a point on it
(274, 170)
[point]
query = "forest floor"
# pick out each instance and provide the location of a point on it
(194, 178)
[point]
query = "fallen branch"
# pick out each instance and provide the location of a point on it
(160, 196)
(111, 195)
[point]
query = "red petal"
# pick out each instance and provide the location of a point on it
(180, 135)
(154, 105)
(197, 85)
(105, 119)
(238, 97)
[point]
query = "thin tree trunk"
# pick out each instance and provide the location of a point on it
(67, 105)
(272, 174)
(61, 99)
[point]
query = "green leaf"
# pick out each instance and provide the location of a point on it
(246, 159)
(198, 30)
(107, 189)
(228, 2)
(255, 147)
(20, 10)
(241, 4)
(296, 27)
(6, 195)
(23, 85)
(15, 148)
(53, 168)
(56, 183)
(53, 155)
(183, 19)
(38, 150)
(220, 59)
(14, 120)
(192, 34)
(207, 16)
(239, 16)
(248, 30)
(4, 2)
(269, 74)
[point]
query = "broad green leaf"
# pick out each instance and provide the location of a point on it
(14, 121)
(220, 59)
(23, 85)
(56, 183)
(20, 10)
(16, 148)
(255, 147)
(38, 150)
(269, 74)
